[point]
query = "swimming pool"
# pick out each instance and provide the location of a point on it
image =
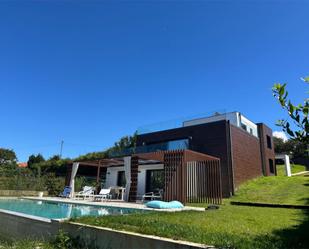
(56, 210)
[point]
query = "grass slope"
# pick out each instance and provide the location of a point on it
(275, 189)
(295, 168)
(231, 226)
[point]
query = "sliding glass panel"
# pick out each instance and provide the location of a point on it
(154, 180)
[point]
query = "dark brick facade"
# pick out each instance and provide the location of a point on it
(211, 139)
(246, 156)
(267, 149)
(241, 154)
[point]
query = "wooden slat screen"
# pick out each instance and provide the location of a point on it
(174, 180)
(204, 182)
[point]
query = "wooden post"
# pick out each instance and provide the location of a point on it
(98, 173)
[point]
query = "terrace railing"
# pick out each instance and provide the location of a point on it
(177, 122)
(181, 144)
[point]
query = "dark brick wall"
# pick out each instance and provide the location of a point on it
(246, 156)
(211, 139)
(266, 152)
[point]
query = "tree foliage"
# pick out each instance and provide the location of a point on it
(292, 146)
(279, 145)
(120, 147)
(33, 159)
(7, 157)
(298, 114)
(8, 165)
(125, 142)
(38, 166)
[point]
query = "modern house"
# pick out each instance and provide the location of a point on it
(245, 149)
(200, 160)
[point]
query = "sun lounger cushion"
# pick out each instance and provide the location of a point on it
(164, 205)
(66, 192)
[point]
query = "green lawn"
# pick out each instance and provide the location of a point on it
(228, 227)
(295, 168)
(275, 189)
(231, 226)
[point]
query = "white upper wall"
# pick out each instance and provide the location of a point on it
(235, 118)
(112, 176)
(248, 125)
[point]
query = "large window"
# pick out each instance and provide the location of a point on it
(271, 166)
(121, 179)
(268, 142)
(154, 180)
(180, 144)
(243, 126)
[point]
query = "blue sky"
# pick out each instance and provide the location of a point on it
(89, 73)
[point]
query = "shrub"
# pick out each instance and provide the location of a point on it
(54, 185)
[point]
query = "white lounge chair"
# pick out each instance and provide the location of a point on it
(104, 194)
(156, 195)
(87, 192)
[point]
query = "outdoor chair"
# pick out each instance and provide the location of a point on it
(155, 195)
(87, 192)
(104, 194)
(66, 192)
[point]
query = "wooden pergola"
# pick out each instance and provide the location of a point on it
(189, 176)
(104, 163)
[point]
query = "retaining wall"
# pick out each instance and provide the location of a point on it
(15, 226)
(18, 226)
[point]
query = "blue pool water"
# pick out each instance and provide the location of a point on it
(53, 210)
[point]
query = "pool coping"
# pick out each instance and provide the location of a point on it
(28, 216)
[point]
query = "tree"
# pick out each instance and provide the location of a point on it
(8, 161)
(279, 145)
(291, 146)
(7, 157)
(54, 158)
(297, 147)
(125, 143)
(297, 114)
(33, 159)
(34, 163)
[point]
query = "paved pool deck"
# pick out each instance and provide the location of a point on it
(111, 203)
